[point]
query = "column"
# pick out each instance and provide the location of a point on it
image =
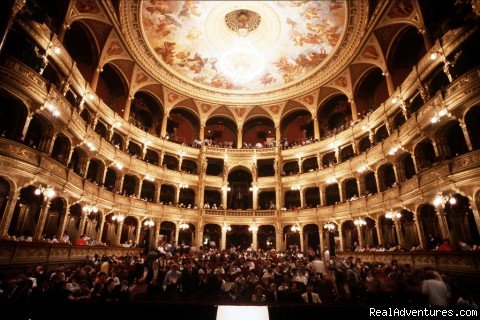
(63, 29)
(156, 193)
(223, 239)
(398, 231)
(81, 226)
(94, 80)
(120, 182)
(26, 126)
(278, 197)
(239, 138)
(421, 236)
(378, 227)
(157, 233)
(323, 195)
(378, 182)
(341, 192)
(137, 233)
(52, 144)
(255, 239)
(177, 195)
(201, 134)
(138, 192)
(278, 134)
(398, 176)
(322, 241)
(442, 222)
(360, 185)
(8, 213)
(340, 232)
(415, 164)
(88, 226)
(177, 233)
(316, 129)
(180, 161)
(302, 240)
(465, 134)
(224, 197)
(163, 131)
(119, 232)
(302, 199)
(360, 236)
(278, 240)
(41, 220)
(353, 106)
(126, 109)
(300, 162)
(16, 8)
(100, 229)
(255, 197)
(390, 86)
(63, 223)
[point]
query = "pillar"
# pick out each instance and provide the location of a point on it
(341, 192)
(360, 236)
(126, 109)
(81, 226)
(389, 80)
(201, 134)
(177, 233)
(63, 223)
(465, 134)
(278, 197)
(138, 192)
(94, 80)
(300, 162)
(442, 222)
(239, 138)
(255, 197)
(41, 220)
(137, 233)
(302, 198)
(353, 106)
(316, 129)
(120, 182)
(278, 134)
(340, 232)
(255, 240)
(322, 241)
(63, 29)
(163, 131)
(16, 8)
(157, 233)
(323, 195)
(156, 193)
(223, 239)
(378, 182)
(378, 227)
(224, 198)
(415, 164)
(8, 213)
(51, 144)
(278, 240)
(26, 126)
(100, 229)
(119, 232)
(177, 195)
(302, 241)
(398, 231)
(421, 236)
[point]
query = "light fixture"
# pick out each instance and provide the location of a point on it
(253, 228)
(118, 165)
(226, 188)
(48, 191)
(439, 115)
(253, 188)
(149, 178)
(89, 208)
(433, 56)
(118, 217)
(183, 185)
(90, 96)
(148, 223)
(359, 222)
(329, 226)
(362, 168)
(116, 124)
(183, 225)
(334, 145)
(295, 187)
(393, 215)
(226, 228)
(299, 155)
(90, 145)
(56, 50)
(295, 228)
(53, 109)
(331, 180)
(394, 100)
(440, 200)
(146, 142)
(393, 150)
(182, 154)
(365, 127)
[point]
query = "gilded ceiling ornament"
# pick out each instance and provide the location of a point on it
(275, 108)
(172, 97)
(242, 19)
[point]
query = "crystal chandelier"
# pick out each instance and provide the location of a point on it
(118, 217)
(253, 228)
(329, 226)
(440, 200)
(183, 185)
(226, 188)
(48, 191)
(226, 227)
(148, 223)
(295, 187)
(359, 222)
(183, 226)
(295, 228)
(393, 215)
(89, 208)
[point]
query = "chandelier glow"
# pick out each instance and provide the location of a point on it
(88, 208)
(295, 228)
(360, 222)
(183, 226)
(393, 215)
(148, 223)
(48, 192)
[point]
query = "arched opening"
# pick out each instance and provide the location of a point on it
(471, 121)
(117, 140)
(416, 102)
(437, 80)
(291, 239)
(39, 133)
(410, 235)
(266, 237)
(4, 195)
(81, 46)
(112, 88)
(334, 115)
(151, 156)
(312, 237)
(312, 197)
(240, 196)
(456, 145)
(148, 191)
(182, 126)
(61, 149)
(101, 130)
(266, 200)
(211, 198)
(147, 237)
(369, 234)
(214, 167)
(167, 194)
(26, 213)
(212, 233)
(346, 153)
(296, 127)
(110, 179)
(461, 221)
(170, 162)
(94, 221)
(329, 159)
(389, 234)
(109, 230)
(85, 115)
(146, 113)
(405, 52)
(381, 134)
(387, 176)
(371, 90)
(430, 226)
(239, 237)
(351, 189)
(95, 171)
(350, 235)
(186, 236)
(424, 155)
(130, 224)
(258, 131)
(290, 167)
(73, 224)
(13, 114)
(189, 166)
(129, 185)
(370, 183)
(408, 166)
(78, 161)
(134, 149)
(167, 231)
(332, 194)
(266, 168)
(292, 200)
(398, 120)
(364, 144)
(466, 58)
(309, 164)
(222, 131)
(187, 197)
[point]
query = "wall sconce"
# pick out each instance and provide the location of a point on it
(89, 208)
(90, 145)
(118, 165)
(226, 228)
(393, 215)
(295, 187)
(331, 180)
(146, 142)
(183, 185)
(362, 168)
(226, 188)
(253, 188)
(53, 109)
(183, 226)
(253, 228)
(439, 115)
(295, 228)
(148, 223)
(117, 124)
(329, 226)
(149, 178)
(393, 150)
(118, 217)
(359, 222)
(48, 191)
(440, 200)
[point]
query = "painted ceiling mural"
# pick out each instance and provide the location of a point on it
(243, 45)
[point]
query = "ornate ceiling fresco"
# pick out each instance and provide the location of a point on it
(243, 52)
(243, 45)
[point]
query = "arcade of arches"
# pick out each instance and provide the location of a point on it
(384, 149)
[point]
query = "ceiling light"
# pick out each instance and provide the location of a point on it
(433, 56)
(434, 119)
(394, 100)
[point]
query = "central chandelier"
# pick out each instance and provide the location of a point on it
(183, 226)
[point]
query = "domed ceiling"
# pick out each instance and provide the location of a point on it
(243, 45)
(243, 52)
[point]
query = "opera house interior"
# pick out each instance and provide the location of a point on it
(262, 153)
